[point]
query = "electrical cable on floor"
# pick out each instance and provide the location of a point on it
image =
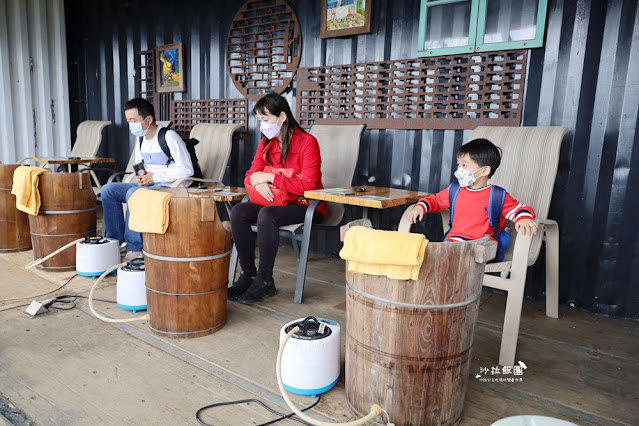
(71, 298)
(283, 416)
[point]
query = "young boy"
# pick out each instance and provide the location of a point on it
(476, 163)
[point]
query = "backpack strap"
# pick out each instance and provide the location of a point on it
(453, 190)
(497, 197)
(163, 145)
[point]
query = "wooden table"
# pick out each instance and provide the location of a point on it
(222, 193)
(72, 160)
(374, 197)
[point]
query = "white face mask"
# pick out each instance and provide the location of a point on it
(271, 130)
(136, 128)
(466, 177)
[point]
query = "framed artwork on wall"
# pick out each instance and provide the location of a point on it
(170, 68)
(346, 18)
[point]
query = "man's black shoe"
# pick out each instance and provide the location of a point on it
(257, 292)
(240, 286)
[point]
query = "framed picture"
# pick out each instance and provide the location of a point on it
(346, 17)
(170, 66)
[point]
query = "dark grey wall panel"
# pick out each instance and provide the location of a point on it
(585, 77)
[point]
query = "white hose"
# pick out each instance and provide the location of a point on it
(375, 409)
(107, 272)
(44, 259)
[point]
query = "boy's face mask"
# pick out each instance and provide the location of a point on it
(466, 177)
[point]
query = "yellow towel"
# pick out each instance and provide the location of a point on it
(25, 188)
(397, 255)
(149, 211)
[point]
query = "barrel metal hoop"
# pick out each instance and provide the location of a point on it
(64, 235)
(412, 305)
(186, 259)
(184, 294)
(15, 249)
(68, 211)
(177, 333)
(5, 189)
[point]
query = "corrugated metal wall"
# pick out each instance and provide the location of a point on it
(34, 111)
(585, 78)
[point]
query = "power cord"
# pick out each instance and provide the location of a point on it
(67, 299)
(283, 416)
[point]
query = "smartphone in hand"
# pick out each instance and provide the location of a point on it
(139, 169)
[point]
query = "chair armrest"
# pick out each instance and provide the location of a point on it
(116, 177)
(96, 169)
(404, 224)
(520, 255)
(184, 179)
(25, 159)
(547, 222)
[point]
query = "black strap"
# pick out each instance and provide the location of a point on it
(163, 145)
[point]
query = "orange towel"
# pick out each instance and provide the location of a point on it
(25, 188)
(397, 255)
(149, 211)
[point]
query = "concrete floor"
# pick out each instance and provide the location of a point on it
(70, 368)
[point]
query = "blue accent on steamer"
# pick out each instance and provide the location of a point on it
(132, 308)
(92, 274)
(312, 392)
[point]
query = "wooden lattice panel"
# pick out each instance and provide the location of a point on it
(451, 92)
(264, 47)
(187, 113)
(146, 74)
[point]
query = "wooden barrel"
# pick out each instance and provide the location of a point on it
(14, 224)
(408, 343)
(67, 212)
(187, 269)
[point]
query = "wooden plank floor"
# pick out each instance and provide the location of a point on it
(68, 367)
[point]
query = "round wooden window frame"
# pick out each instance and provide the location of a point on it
(291, 49)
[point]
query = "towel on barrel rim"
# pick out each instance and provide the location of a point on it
(25, 188)
(397, 255)
(149, 211)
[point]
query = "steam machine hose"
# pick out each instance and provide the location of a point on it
(49, 256)
(375, 409)
(103, 318)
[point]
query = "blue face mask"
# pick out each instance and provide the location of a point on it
(136, 128)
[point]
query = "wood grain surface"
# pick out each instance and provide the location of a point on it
(14, 224)
(62, 192)
(375, 197)
(187, 298)
(66, 160)
(409, 342)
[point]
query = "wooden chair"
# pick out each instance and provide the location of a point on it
(339, 148)
(530, 156)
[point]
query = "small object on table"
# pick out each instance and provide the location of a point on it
(359, 189)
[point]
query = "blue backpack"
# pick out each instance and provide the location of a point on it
(497, 197)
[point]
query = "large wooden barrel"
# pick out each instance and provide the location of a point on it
(14, 224)
(408, 343)
(187, 269)
(67, 212)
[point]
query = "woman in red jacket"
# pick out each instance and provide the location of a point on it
(284, 145)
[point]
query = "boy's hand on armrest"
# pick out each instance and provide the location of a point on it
(416, 212)
(526, 226)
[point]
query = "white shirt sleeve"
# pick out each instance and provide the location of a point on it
(182, 166)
